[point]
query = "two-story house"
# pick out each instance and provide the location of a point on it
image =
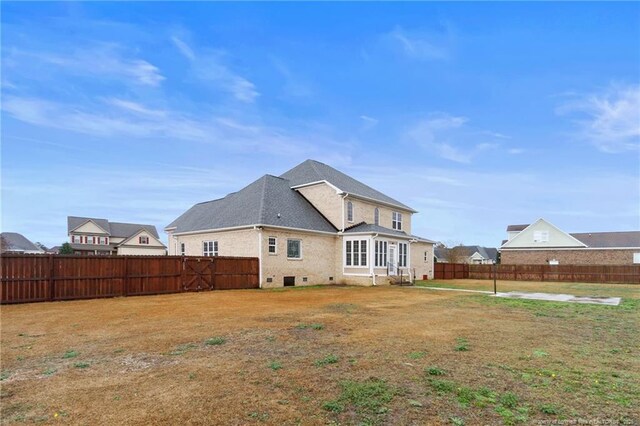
(92, 236)
(311, 225)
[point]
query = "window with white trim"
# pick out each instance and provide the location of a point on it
(396, 221)
(355, 253)
(294, 249)
(91, 239)
(143, 239)
(376, 216)
(209, 248)
(273, 245)
(380, 259)
(76, 239)
(402, 254)
(103, 240)
(349, 211)
(182, 249)
(540, 236)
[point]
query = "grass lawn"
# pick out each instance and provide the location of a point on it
(328, 355)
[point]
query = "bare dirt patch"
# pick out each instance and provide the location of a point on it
(343, 355)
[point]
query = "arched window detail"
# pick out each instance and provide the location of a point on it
(349, 211)
(376, 216)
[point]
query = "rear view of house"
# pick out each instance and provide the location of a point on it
(311, 225)
(92, 236)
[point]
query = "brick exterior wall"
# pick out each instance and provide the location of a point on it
(569, 257)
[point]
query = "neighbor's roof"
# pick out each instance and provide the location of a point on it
(440, 252)
(369, 227)
(314, 171)
(267, 201)
(485, 252)
(609, 239)
(18, 242)
(511, 228)
(115, 229)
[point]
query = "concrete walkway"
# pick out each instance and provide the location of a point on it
(551, 297)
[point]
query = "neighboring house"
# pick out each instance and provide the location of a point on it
(12, 242)
(311, 225)
(467, 254)
(53, 250)
(541, 242)
(93, 236)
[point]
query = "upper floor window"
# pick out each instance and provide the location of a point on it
(540, 236)
(273, 245)
(76, 239)
(90, 239)
(103, 240)
(209, 248)
(349, 211)
(143, 239)
(182, 249)
(356, 253)
(294, 249)
(426, 256)
(376, 216)
(396, 221)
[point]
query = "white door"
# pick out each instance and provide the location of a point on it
(393, 260)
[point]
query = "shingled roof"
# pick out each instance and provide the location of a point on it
(609, 239)
(312, 171)
(372, 228)
(19, 243)
(267, 201)
(114, 229)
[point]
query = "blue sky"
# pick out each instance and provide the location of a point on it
(477, 115)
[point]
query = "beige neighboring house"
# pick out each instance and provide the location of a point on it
(92, 236)
(311, 225)
(543, 243)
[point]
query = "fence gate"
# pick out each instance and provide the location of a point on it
(197, 274)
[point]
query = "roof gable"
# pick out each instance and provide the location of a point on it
(74, 223)
(18, 242)
(311, 171)
(158, 243)
(556, 237)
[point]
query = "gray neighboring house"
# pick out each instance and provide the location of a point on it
(311, 225)
(468, 254)
(18, 243)
(93, 236)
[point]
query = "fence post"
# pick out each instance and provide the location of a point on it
(125, 279)
(52, 290)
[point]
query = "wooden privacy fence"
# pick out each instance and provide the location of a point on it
(36, 278)
(623, 274)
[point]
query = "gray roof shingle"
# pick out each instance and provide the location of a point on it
(18, 242)
(369, 227)
(609, 239)
(511, 228)
(267, 201)
(314, 171)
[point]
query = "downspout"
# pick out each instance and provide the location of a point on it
(373, 274)
(259, 229)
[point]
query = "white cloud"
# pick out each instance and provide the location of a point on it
(449, 137)
(420, 44)
(100, 59)
(209, 67)
(610, 120)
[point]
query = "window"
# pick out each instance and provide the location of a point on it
(381, 254)
(91, 239)
(376, 216)
(182, 249)
(636, 257)
(402, 254)
(76, 239)
(349, 211)
(426, 256)
(294, 249)
(103, 240)
(540, 236)
(209, 248)
(396, 221)
(356, 253)
(273, 245)
(143, 239)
